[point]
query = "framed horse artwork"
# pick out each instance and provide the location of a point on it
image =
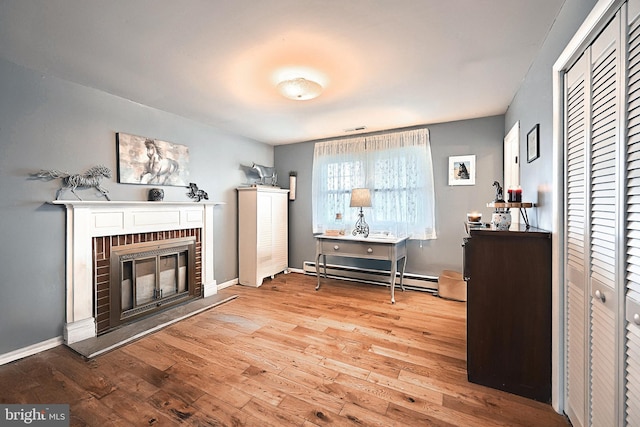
(148, 161)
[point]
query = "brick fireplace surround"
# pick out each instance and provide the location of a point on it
(87, 220)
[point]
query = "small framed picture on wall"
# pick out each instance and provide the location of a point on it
(462, 170)
(533, 144)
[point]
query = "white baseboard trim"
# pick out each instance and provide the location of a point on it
(79, 330)
(228, 283)
(236, 280)
(30, 350)
(411, 281)
(210, 289)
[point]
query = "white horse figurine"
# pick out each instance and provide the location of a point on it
(90, 179)
(267, 174)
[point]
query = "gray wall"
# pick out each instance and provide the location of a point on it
(47, 123)
(482, 137)
(532, 104)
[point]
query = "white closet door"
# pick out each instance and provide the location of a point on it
(605, 119)
(632, 294)
(632, 368)
(576, 104)
(592, 208)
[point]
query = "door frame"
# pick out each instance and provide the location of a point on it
(511, 148)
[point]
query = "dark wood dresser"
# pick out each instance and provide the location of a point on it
(509, 310)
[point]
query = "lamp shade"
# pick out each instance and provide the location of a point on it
(360, 198)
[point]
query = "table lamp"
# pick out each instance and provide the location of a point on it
(361, 198)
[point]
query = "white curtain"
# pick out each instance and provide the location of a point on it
(397, 169)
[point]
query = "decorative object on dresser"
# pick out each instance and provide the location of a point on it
(474, 220)
(515, 194)
(90, 179)
(143, 160)
(474, 217)
(195, 193)
(262, 233)
(509, 311)
(522, 206)
(501, 217)
(360, 198)
(499, 192)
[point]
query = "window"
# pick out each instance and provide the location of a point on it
(395, 166)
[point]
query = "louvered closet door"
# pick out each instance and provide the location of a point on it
(592, 102)
(576, 285)
(602, 209)
(632, 365)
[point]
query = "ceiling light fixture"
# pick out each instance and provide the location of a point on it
(299, 89)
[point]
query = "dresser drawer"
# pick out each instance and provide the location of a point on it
(370, 250)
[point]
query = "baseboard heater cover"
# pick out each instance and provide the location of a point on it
(411, 281)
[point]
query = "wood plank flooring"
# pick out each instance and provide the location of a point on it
(283, 355)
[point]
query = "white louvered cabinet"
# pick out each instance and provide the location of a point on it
(262, 233)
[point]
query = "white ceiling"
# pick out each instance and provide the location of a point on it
(384, 63)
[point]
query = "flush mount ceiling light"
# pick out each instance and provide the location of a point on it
(299, 89)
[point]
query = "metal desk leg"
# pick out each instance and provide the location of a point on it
(324, 262)
(318, 270)
(394, 269)
(404, 264)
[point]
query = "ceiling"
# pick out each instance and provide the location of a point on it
(384, 64)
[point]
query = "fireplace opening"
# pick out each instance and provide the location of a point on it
(148, 277)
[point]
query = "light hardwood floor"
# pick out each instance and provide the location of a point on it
(283, 355)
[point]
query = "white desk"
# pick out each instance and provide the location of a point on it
(387, 249)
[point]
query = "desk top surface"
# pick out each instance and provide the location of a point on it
(371, 239)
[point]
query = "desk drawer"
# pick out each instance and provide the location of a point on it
(357, 249)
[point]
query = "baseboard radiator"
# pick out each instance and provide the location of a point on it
(411, 281)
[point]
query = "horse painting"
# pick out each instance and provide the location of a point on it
(90, 179)
(158, 168)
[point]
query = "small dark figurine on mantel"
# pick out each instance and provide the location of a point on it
(156, 195)
(195, 193)
(499, 192)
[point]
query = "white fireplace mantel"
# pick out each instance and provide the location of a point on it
(88, 219)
